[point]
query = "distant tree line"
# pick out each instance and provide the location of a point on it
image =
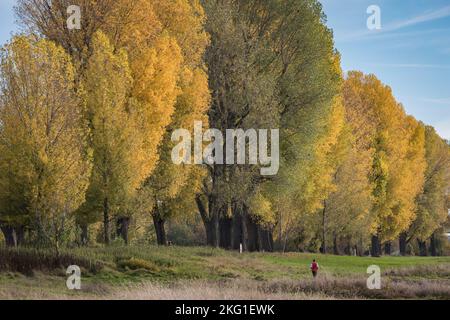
(86, 118)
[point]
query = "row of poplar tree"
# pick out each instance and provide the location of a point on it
(86, 118)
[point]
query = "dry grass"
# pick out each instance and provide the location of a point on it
(427, 272)
(42, 286)
(356, 287)
(201, 290)
(204, 273)
(184, 290)
(324, 288)
(319, 289)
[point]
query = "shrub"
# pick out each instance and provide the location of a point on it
(135, 264)
(26, 261)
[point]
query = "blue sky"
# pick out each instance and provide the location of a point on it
(411, 53)
(6, 20)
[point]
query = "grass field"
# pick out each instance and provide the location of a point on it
(205, 273)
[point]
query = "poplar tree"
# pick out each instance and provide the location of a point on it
(164, 42)
(398, 162)
(432, 203)
(268, 64)
(42, 139)
(114, 137)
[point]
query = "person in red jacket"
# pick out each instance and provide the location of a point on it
(314, 268)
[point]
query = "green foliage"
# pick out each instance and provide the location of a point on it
(432, 202)
(86, 120)
(397, 143)
(175, 263)
(44, 165)
(135, 264)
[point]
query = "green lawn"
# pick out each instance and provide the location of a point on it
(119, 266)
(344, 265)
(168, 264)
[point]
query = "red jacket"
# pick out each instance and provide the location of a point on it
(314, 266)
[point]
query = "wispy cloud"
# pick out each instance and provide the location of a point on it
(411, 65)
(394, 26)
(425, 17)
(444, 101)
(378, 35)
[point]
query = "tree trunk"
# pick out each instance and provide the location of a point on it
(271, 244)
(348, 248)
(244, 232)
(207, 222)
(123, 225)
(236, 230)
(210, 219)
(213, 205)
(285, 241)
(107, 235)
(266, 240)
(252, 234)
(402, 243)
(260, 238)
(388, 248)
(335, 245)
(10, 236)
(422, 248)
(216, 228)
(360, 247)
(84, 235)
(324, 228)
(433, 246)
(225, 232)
(280, 233)
(159, 222)
(375, 249)
(209, 233)
(20, 235)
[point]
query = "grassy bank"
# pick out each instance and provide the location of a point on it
(197, 273)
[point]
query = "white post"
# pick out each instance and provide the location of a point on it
(240, 248)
